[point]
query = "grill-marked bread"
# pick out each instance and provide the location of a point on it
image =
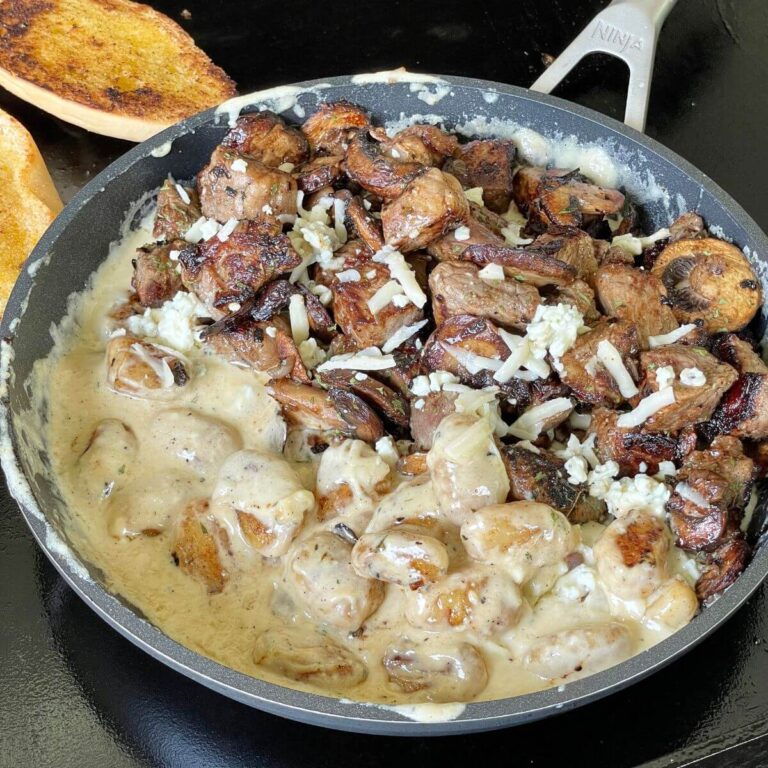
(111, 66)
(28, 200)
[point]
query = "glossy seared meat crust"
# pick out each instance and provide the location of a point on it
(265, 137)
(175, 213)
(155, 278)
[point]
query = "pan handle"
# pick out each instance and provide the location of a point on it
(628, 30)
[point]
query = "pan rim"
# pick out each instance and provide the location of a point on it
(332, 711)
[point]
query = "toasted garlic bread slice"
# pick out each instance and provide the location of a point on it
(28, 200)
(110, 66)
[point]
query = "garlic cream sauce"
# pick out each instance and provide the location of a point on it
(180, 447)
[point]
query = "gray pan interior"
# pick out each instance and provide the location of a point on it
(79, 239)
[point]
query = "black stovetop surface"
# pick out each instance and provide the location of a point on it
(75, 693)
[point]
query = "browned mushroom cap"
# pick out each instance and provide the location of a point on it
(363, 225)
(541, 477)
(320, 172)
(386, 400)
(488, 163)
(467, 333)
(637, 297)
(457, 290)
(266, 137)
(334, 410)
(196, 546)
(425, 144)
(330, 128)
(432, 204)
(140, 369)
(368, 166)
(723, 566)
(566, 201)
(265, 346)
(709, 280)
(535, 265)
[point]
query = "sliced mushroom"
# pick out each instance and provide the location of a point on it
(429, 206)
(424, 144)
(334, 410)
(266, 346)
(265, 137)
(709, 280)
(366, 164)
(309, 657)
(723, 567)
(139, 369)
(331, 127)
(319, 173)
(438, 672)
(196, 546)
(531, 264)
(541, 477)
(457, 290)
(391, 404)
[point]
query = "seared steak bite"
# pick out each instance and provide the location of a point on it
(574, 247)
(713, 489)
(462, 335)
(457, 290)
(175, 213)
(155, 278)
(265, 137)
(488, 163)
(430, 206)
(630, 448)
(697, 392)
(578, 294)
(427, 413)
(235, 186)
(738, 353)
(366, 164)
(361, 224)
(353, 313)
(743, 411)
(330, 128)
(233, 270)
(541, 477)
(687, 226)
(637, 297)
(586, 376)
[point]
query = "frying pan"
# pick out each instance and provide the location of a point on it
(80, 237)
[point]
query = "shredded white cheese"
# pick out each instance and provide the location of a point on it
(665, 375)
(173, 323)
(461, 233)
(226, 230)
(311, 354)
(370, 359)
(401, 271)
(609, 356)
(691, 494)
(384, 296)
(647, 407)
(474, 195)
(436, 381)
(239, 165)
(469, 360)
(297, 312)
(671, 337)
(530, 424)
(492, 272)
(401, 335)
(183, 194)
(635, 245)
(692, 377)
(348, 276)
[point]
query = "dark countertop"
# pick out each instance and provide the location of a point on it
(75, 693)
